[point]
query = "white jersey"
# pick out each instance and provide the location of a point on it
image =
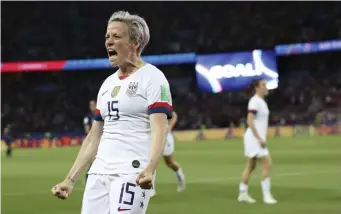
(258, 106)
(125, 106)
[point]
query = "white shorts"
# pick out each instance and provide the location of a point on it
(114, 194)
(169, 147)
(252, 147)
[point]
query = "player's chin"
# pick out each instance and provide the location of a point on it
(113, 64)
(113, 61)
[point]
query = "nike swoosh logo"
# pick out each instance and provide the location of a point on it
(121, 209)
(105, 92)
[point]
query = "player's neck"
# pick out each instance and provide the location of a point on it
(131, 66)
(260, 95)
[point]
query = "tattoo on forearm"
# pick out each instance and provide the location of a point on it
(73, 181)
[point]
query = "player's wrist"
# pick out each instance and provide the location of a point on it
(151, 167)
(69, 180)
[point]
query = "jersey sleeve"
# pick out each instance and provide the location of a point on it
(98, 116)
(159, 96)
(253, 106)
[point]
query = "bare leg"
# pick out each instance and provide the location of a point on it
(266, 165)
(250, 167)
(170, 162)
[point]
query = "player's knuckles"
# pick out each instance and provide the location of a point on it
(55, 192)
(62, 196)
(146, 185)
(143, 187)
(143, 182)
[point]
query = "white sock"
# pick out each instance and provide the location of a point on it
(266, 186)
(180, 174)
(243, 187)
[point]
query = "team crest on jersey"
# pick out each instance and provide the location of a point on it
(115, 91)
(132, 89)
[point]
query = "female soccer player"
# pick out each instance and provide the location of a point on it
(130, 126)
(255, 146)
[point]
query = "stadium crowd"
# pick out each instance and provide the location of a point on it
(36, 102)
(72, 30)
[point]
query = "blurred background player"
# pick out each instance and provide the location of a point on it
(169, 158)
(255, 145)
(89, 118)
(128, 133)
(7, 137)
(87, 122)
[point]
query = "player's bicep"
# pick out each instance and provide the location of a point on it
(158, 121)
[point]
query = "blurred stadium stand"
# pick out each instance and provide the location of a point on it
(310, 85)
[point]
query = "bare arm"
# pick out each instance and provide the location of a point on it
(172, 122)
(251, 124)
(159, 125)
(87, 152)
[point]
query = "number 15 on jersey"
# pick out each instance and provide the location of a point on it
(113, 112)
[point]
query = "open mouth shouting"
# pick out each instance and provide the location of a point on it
(112, 53)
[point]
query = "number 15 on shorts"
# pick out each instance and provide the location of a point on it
(127, 196)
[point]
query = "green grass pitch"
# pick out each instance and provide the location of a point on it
(306, 179)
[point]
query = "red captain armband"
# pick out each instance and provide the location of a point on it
(161, 107)
(98, 116)
(253, 111)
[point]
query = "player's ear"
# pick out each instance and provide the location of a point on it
(136, 45)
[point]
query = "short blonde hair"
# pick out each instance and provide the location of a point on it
(138, 28)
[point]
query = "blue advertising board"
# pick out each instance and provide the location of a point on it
(234, 71)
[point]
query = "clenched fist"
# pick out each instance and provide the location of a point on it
(62, 190)
(145, 179)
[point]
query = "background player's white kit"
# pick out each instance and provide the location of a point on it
(125, 105)
(252, 148)
(255, 144)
